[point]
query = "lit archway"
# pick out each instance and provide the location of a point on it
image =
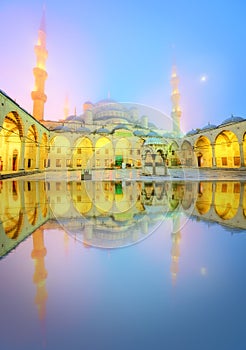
(227, 150)
(123, 152)
(60, 155)
(173, 158)
(203, 151)
(11, 135)
(83, 154)
(31, 148)
(186, 156)
(43, 152)
(244, 148)
(103, 153)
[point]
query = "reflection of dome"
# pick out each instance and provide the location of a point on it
(153, 134)
(154, 141)
(232, 119)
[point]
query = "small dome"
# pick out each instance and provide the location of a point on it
(102, 131)
(209, 126)
(83, 130)
(192, 132)
(232, 119)
(139, 133)
(120, 127)
(61, 128)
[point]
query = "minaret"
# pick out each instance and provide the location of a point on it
(38, 96)
(175, 97)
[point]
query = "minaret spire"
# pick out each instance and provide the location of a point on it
(38, 96)
(175, 97)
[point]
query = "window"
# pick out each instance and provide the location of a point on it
(79, 162)
(58, 163)
(58, 150)
(68, 162)
(106, 151)
(78, 150)
(224, 188)
(29, 162)
(224, 161)
(97, 162)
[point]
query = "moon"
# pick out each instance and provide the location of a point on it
(203, 78)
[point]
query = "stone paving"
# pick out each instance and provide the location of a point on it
(174, 174)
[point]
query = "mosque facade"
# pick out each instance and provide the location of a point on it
(110, 135)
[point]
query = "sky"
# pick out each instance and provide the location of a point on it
(126, 49)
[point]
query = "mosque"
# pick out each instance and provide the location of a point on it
(109, 135)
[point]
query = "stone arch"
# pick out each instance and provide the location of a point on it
(11, 138)
(60, 156)
(203, 151)
(173, 158)
(227, 151)
(31, 148)
(123, 152)
(160, 156)
(104, 154)
(187, 154)
(227, 199)
(43, 152)
(244, 148)
(138, 148)
(83, 153)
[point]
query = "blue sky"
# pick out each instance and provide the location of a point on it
(127, 48)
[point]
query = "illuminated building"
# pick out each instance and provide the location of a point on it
(109, 135)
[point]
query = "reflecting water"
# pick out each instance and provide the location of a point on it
(176, 280)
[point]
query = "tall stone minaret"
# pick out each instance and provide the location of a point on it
(38, 96)
(175, 97)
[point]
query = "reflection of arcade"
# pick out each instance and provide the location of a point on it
(120, 212)
(23, 208)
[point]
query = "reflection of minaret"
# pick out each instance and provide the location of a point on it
(175, 252)
(40, 273)
(175, 97)
(40, 74)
